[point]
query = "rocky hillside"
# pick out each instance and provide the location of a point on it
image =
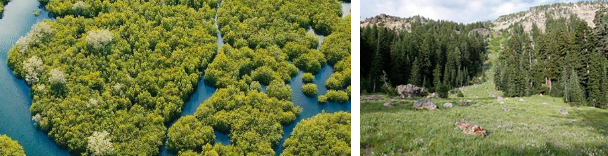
(539, 14)
(393, 22)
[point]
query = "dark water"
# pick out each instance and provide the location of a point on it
(15, 118)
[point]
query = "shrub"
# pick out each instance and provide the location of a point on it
(442, 91)
(337, 95)
(98, 39)
(309, 89)
(308, 78)
(460, 94)
(322, 99)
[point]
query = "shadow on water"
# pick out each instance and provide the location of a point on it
(14, 93)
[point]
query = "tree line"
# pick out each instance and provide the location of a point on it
(567, 60)
(434, 54)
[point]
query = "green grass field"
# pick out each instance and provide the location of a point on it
(533, 127)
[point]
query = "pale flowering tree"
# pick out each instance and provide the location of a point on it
(80, 5)
(33, 68)
(37, 118)
(99, 144)
(98, 39)
(57, 77)
(38, 33)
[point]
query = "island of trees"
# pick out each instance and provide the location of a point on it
(107, 76)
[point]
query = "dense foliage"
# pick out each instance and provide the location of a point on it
(308, 78)
(253, 120)
(9, 147)
(568, 59)
(323, 134)
(120, 72)
(309, 89)
(107, 76)
(433, 53)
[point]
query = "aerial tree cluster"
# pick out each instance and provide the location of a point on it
(323, 134)
(106, 76)
(567, 60)
(433, 54)
(267, 43)
(10, 147)
(253, 120)
(336, 48)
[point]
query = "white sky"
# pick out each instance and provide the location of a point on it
(462, 11)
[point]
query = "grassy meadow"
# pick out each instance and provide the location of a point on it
(534, 126)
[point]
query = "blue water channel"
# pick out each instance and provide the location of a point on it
(15, 100)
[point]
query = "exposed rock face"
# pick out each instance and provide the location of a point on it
(393, 22)
(539, 14)
(425, 103)
(481, 31)
(501, 100)
(449, 105)
(409, 90)
(388, 104)
(563, 111)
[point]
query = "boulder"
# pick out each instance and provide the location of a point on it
(563, 111)
(501, 100)
(388, 104)
(425, 103)
(409, 90)
(448, 105)
(464, 103)
(470, 128)
(521, 100)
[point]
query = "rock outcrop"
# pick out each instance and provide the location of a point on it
(425, 103)
(409, 90)
(481, 31)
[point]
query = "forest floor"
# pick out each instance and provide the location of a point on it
(534, 126)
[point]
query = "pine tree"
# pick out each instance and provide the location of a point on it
(415, 76)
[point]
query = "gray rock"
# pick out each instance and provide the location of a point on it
(388, 104)
(409, 90)
(507, 108)
(481, 31)
(563, 111)
(448, 105)
(501, 100)
(464, 103)
(425, 103)
(521, 100)
(545, 103)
